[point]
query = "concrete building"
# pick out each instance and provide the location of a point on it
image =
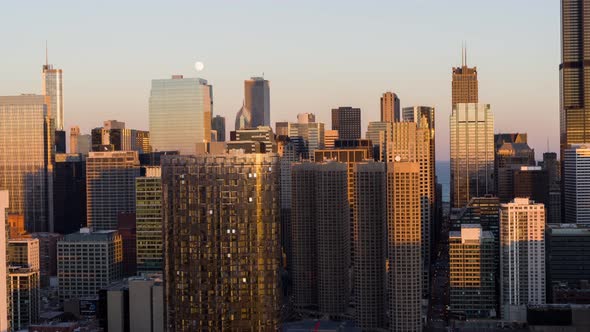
(4, 203)
(576, 184)
(369, 236)
(522, 240)
(180, 112)
(26, 141)
(404, 243)
(24, 252)
(262, 134)
(47, 255)
(472, 152)
(82, 272)
(257, 100)
(472, 254)
(347, 120)
(320, 227)
(80, 143)
(110, 185)
(234, 221)
(148, 212)
(310, 133)
(380, 134)
(329, 137)
(390, 107)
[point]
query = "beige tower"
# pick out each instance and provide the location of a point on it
(404, 243)
(464, 85)
(390, 107)
(74, 134)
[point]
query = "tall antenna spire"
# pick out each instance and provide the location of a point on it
(465, 53)
(46, 55)
(462, 54)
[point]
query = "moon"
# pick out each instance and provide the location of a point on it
(199, 66)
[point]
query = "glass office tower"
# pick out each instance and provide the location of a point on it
(53, 88)
(472, 152)
(180, 113)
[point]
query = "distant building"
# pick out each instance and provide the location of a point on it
(24, 252)
(531, 182)
(79, 143)
(234, 217)
(390, 107)
(47, 255)
(110, 187)
(576, 184)
(178, 122)
(4, 291)
(464, 83)
(472, 152)
(81, 273)
(522, 240)
(113, 136)
(257, 100)
(380, 134)
(128, 231)
(26, 151)
(329, 137)
(347, 120)
(511, 153)
(148, 211)
(53, 88)
(69, 193)
(309, 134)
(218, 124)
(472, 272)
(261, 134)
(25, 297)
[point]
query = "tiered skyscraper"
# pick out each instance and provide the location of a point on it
(180, 114)
(221, 239)
(26, 151)
(465, 84)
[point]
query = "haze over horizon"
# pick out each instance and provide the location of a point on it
(316, 56)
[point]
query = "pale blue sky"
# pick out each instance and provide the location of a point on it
(316, 54)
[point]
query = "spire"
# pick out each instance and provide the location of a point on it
(465, 54)
(462, 54)
(46, 55)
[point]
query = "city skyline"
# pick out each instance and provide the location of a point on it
(417, 66)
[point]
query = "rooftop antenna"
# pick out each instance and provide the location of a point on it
(46, 55)
(465, 53)
(547, 144)
(462, 54)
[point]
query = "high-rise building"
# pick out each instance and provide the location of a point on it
(69, 193)
(472, 270)
(310, 134)
(412, 144)
(148, 212)
(180, 114)
(369, 236)
(576, 183)
(4, 204)
(574, 77)
(79, 143)
(380, 134)
(53, 88)
(113, 136)
(522, 240)
(25, 297)
(320, 228)
(390, 107)
(47, 255)
(404, 243)
(243, 118)
(82, 272)
(110, 187)
(24, 252)
(257, 100)
(472, 152)
(531, 182)
(568, 260)
(16, 226)
(511, 153)
(74, 134)
(347, 120)
(26, 151)
(464, 84)
(128, 231)
(222, 244)
(329, 137)
(261, 134)
(218, 124)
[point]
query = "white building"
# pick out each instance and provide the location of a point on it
(522, 269)
(576, 177)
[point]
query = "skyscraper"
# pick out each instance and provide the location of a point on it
(573, 73)
(464, 84)
(180, 114)
(262, 134)
(53, 88)
(218, 124)
(243, 118)
(472, 254)
(390, 107)
(25, 297)
(69, 193)
(148, 211)
(472, 152)
(321, 237)
(110, 187)
(222, 243)
(522, 240)
(26, 151)
(369, 235)
(113, 136)
(257, 100)
(82, 272)
(24, 252)
(79, 143)
(347, 120)
(576, 183)
(309, 133)
(511, 153)
(404, 242)
(47, 255)
(381, 134)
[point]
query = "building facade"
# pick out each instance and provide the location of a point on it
(218, 124)
(26, 149)
(110, 187)
(148, 211)
(472, 152)
(4, 205)
(576, 184)
(25, 297)
(180, 114)
(53, 88)
(221, 240)
(347, 120)
(390, 107)
(257, 100)
(464, 83)
(69, 193)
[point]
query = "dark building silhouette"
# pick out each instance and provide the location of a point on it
(69, 193)
(127, 229)
(218, 124)
(347, 120)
